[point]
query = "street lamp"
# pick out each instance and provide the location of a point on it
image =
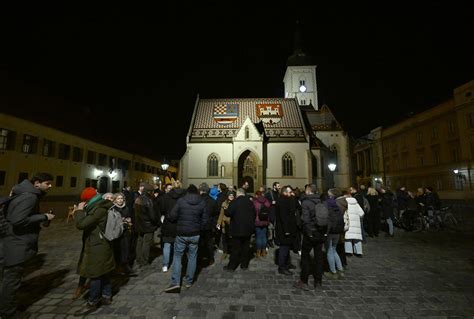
(455, 171)
(332, 167)
(165, 164)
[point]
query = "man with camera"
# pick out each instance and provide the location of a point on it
(21, 242)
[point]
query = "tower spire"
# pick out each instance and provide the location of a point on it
(299, 56)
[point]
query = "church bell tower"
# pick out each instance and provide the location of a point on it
(300, 75)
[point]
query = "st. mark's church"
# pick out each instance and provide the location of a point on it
(287, 139)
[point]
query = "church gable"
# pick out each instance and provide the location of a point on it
(221, 119)
(248, 132)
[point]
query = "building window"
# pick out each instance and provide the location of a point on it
(435, 157)
(419, 138)
(303, 102)
(7, 139)
(29, 144)
(247, 133)
(421, 160)
(439, 184)
(59, 181)
(143, 167)
(88, 182)
(77, 154)
(455, 154)
(434, 133)
(102, 159)
(470, 120)
(302, 82)
(2, 178)
(137, 166)
(48, 148)
(212, 165)
(91, 157)
(287, 165)
(73, 181)
(451, 126)
(64, 151)
(22, 176)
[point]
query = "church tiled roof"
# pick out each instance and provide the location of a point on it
(224, 117)
(323, 119)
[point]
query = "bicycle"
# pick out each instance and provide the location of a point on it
(447, 217)
(420, 222)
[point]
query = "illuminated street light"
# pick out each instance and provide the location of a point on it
(332, 167)
(455, 171)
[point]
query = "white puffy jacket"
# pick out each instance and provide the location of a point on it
(355, 214)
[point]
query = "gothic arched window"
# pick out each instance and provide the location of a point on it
(212, 165)
(287, 165)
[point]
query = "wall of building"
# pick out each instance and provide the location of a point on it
(25, 150)
(340, 141)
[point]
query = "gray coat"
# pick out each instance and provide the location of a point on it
(24, 217)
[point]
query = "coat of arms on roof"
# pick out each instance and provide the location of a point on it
(270, 113)
(225, 113)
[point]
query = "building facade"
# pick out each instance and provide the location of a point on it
(75, 163)
(263, 140)
(433, 148)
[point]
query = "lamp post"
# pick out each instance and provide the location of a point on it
(332, 168)
(165, 164)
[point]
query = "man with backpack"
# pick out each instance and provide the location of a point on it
(20, 241)
(315, 220)
(336, 226)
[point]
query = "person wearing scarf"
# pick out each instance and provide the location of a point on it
(96, 260)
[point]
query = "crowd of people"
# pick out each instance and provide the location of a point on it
(196, 222)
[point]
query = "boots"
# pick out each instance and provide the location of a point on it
(258, 254)
(264, 253)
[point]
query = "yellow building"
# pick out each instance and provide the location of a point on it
(75, 163)
(433, 148)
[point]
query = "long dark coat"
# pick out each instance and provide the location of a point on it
(285, 221)
(97, 256)
(23, 214)
(242, 217)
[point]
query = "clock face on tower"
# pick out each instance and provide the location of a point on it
(302, 88)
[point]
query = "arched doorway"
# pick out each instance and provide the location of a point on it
(247, 170)
(103, 185)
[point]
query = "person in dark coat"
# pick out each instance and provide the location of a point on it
(285, 228)
(146, 224)
(206, 240)
(168, 227)
(433, 206)
(21, 241)
(314, 236)
(272, 196)
(191, 215)
(122, 244)
(97, 259)
(373, 216)
(402, 201)
(242, 225)
(387, 209)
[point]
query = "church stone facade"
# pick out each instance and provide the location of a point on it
(262, 140)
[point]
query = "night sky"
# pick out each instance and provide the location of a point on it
(129, 76)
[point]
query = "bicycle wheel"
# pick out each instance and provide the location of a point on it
(418, 224)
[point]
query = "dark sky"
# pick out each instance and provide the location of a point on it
(129, 76)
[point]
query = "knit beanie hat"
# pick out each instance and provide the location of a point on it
(88, 193)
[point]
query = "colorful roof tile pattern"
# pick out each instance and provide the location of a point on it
(285, 117)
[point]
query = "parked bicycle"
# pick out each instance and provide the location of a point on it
(447, 217)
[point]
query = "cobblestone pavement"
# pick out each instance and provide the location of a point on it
(411, 275)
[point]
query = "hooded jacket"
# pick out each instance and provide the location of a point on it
(167, 202)
(190, 214)
(24, 217)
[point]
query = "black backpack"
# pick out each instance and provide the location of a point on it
(321, 214)
(337, 220)
(4, 224)
(263, 213)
